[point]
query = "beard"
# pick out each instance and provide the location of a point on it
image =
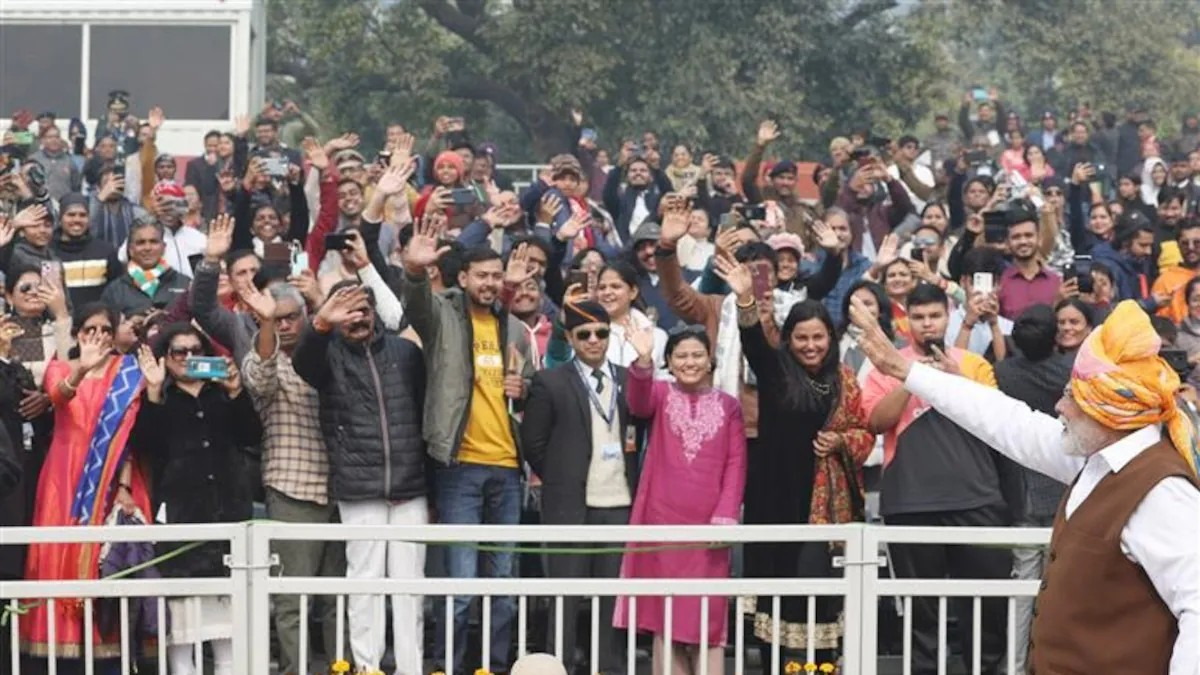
(1081, 440)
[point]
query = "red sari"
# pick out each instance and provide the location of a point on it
(75, 420)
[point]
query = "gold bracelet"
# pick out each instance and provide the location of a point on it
(748, 305)
(66, 387)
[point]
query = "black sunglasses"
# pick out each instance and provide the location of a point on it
(27, 287)
(587, 333)
(183, 352)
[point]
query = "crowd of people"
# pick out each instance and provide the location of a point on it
(631, 339)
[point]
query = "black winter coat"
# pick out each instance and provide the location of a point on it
(371, 397)
(194, 447)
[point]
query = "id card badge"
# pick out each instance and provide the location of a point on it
(630, 440)
(610, 452)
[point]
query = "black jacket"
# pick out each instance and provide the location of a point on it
(203, 176)
(125, 298)
(89, 264)
(193, 446)
(556, 434)
(371, 405)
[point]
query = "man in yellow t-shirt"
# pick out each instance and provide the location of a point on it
(477, 357)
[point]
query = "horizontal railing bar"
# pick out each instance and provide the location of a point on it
(547, 587)
(998, 536)
(957, 588)
(532, 534)
(123, 533)
(114, 588)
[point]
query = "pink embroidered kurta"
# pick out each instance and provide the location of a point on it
(694, 473)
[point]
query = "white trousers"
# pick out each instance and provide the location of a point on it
(182, 658)
(395, 560)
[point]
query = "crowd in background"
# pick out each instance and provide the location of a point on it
(645, 334)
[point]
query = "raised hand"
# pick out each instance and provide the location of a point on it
(889, 250)
(875, 344)
(519, 269)
(395, 178)
(93, 350)
(7, 231)
(825, 236)
(340, 143)
(51, 293)
(306, 283)
(315, 153)
(674, 223)
(241, 125)
(233, 379)
(153, 370)
(220, 238)
(737, 275)
(156, 118)
(768, 131)
(30, 216)
(346, 304)
(356, 250)
(548, 207)
(402, 150)
(423, 250)
(262, 304)
(577, 116)
(642, 341)
(574, 225)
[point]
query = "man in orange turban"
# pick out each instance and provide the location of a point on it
(1121, 592)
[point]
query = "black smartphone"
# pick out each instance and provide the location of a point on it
(578, 277)
(995, 229)
(1081, 267)
(384, 158)
(464, 196)
(917, 254)
(929, 344)
(753, 211)
(339, 241)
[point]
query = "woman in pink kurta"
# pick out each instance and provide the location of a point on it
(693, 474)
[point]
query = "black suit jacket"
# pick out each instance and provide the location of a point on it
(556, 437)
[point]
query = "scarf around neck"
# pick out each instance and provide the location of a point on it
(148, 280)
(730, 363)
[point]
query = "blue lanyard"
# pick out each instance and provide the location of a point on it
(612, 402)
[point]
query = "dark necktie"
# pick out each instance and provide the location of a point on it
(599, 381)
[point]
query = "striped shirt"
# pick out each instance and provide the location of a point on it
(294, 458)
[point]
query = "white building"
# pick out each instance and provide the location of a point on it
(203, 61)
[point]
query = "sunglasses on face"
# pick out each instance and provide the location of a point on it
(586, 334)
(180, 353)
(28, 287)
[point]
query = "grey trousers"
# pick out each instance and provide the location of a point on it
(611, 658)
(305, 559)
(1028, 563)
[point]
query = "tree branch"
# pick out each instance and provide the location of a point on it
(478, 88)
(456, 22)
(866, 10)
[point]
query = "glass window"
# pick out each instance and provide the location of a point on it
(40, 68)
(184, 69)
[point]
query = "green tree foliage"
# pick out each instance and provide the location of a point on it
(705, 72)
(1058, 54)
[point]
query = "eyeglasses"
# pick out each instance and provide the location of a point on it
(586, 334)
(28, 287)
(181, 353)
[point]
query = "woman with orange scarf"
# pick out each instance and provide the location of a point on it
(87, 475)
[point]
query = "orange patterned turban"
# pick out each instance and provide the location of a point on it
(1120, 381)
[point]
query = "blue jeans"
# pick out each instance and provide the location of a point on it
(475, 494)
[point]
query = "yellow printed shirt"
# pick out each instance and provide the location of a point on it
(488, 437)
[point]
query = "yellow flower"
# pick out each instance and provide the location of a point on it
(341, 666)
(827, 668)
(482, 671)
(791, 667)
(810, 667)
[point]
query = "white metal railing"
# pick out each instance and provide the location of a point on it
(252, 584)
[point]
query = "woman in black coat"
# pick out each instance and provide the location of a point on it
(193, 429)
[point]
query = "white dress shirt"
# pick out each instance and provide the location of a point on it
(1163, 533)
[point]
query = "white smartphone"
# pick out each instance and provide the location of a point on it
(982, 283)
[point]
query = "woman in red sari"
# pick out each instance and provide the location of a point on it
(87, 474)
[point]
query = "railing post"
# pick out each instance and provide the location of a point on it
(868, 595)
(238, 563)
(259, 572)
